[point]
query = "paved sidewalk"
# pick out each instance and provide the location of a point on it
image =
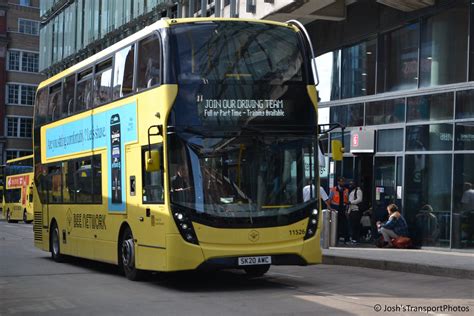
(433, 262)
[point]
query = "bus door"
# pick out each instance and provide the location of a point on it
(153, 198)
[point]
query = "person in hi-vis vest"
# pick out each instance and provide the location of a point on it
(339, 197)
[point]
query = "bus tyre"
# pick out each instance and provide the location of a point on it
(127, 256)
(25, 218)
(9, 217)
(54, 244)
(257, 271)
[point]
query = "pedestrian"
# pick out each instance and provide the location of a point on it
(395, 227)
(339, 199)
(309, 189)
(353, 211)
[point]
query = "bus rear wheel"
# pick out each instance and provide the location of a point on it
(127, 256)
(257, 271)
(54, 244)
(9, 217)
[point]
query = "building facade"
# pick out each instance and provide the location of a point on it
(72, 30)
(19, 75)
(403, 79)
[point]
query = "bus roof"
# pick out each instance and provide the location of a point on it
(163, 23)
(19, 159)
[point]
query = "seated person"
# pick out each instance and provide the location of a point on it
(395, 227)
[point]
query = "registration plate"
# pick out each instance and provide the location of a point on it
(250, 261)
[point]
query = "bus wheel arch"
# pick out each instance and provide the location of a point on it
(126, 254)
(54, 242)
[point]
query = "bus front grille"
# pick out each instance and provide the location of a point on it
(38, 226)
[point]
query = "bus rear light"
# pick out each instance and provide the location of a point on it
(185, 227)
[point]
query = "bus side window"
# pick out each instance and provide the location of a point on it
(102, 82)
(84, 91)
(96, 179)
(152, 181)
(41, 111)
(149, 62)
(55, 100)
(123, 72)
(68, 96)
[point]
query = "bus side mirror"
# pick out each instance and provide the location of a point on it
(337, 150)
(152, 158)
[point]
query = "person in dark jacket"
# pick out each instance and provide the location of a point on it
(395, 227)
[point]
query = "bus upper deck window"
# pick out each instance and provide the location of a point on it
(123, 72)
(149, 61)
(84, 91)
(55, 101)
(103, 82)
(68, 96)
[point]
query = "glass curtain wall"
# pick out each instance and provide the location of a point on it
(358, 69)
(443, 57)
(92, 20)
(398, 59)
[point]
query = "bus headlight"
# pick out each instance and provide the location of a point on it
(185, 227)
(312, 224)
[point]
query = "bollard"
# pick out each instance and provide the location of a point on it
(333, 229)
(325, 234)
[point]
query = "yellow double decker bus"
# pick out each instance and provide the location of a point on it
(186, 145)
(18, 190)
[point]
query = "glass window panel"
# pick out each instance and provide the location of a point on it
(12, 126)
(398, 64)
(390, 140)
(444, 47)
(329, 68)
(79, 24)
(69, 193)
(102, 87)
(123, 72)
(83, 180)
(464, 136)
(385, 112)
(13, 93)
(41, 107)
(68, 101)
(348, 115)
(430, 107)
(149, 61)
(84, 90)
(463, 201)
(29, 62)
(429, 137)
(428, 198)
(358, 69)
(465, 104)
(152, 181)
(28, 95)
(55, 100)
(25, 127)
(13, 60)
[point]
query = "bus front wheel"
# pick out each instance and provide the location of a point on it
(54, 244)
(257, 271)
(9, 217)
(127, 256)
(25, 218)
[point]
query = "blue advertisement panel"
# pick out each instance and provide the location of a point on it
(111, 129)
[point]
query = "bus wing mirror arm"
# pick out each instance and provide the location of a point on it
(152, 157)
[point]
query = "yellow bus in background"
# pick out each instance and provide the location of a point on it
(186, 145)
(18, 190)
